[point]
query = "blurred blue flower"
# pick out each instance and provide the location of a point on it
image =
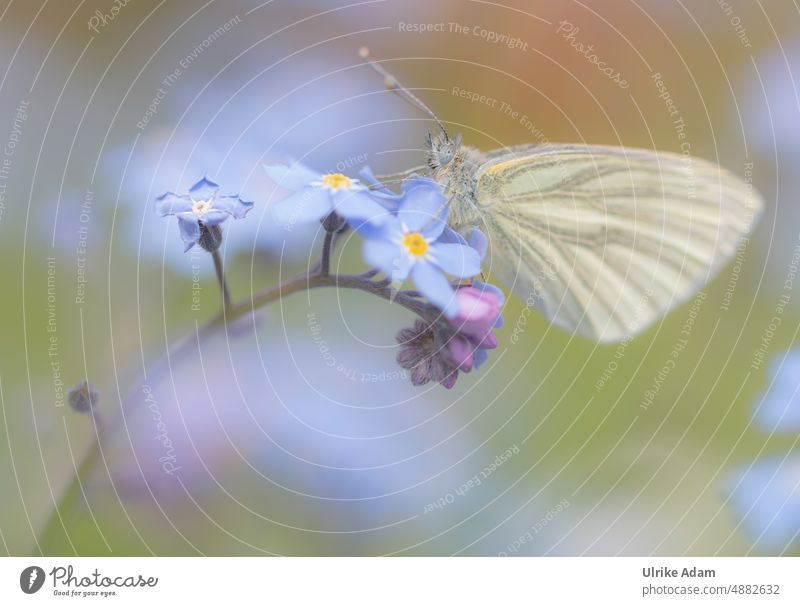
(200, 207)
(317, 195)
(764, 107)
(409, 244)
(779, 408)
(230, 126)
(767, 497)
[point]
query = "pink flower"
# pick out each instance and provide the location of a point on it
(438, 351)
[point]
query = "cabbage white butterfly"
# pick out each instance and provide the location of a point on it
(601, 240)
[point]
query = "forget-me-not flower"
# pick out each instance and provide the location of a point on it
(409, 244)
(779, 409)
(201, 208)
(318, 195)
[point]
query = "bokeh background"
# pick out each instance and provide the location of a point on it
(291, 432)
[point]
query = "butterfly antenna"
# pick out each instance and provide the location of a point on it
(393, 84)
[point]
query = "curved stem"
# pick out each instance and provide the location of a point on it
(54, 528)
(308, 282)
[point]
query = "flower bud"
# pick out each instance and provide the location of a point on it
(334, 223)
(210, 237)
(82, 397)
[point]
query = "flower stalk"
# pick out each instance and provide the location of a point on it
(223, 284)
(327, 245)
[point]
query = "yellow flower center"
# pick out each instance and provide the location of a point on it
(337, 181)
(201, 207)
(415, 244)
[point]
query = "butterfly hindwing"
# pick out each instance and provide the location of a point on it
(604, 240)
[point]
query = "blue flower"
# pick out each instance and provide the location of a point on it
(317, 195)
(767, 497)
(410, 244)
(201, 207)
(779, 409)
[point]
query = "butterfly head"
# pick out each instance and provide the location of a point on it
(442, 149)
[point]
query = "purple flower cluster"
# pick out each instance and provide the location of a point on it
(438, 350)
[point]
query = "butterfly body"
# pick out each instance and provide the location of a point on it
(454, 167)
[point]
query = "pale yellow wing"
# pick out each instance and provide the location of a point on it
(604, 240)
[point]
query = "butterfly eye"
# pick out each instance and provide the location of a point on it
(446, 153)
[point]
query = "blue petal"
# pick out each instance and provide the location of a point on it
(431, 283)
(422, 182)
(451, 236)
(214, 217)
(492, 289)
(172, 204)
(387, 257)
(433, 231)
(381, 194)
(190, 230)
(376, 186)
(204, 189)
(359, 205)
(458, 261)
(292, 177)
(368, 229)
(402, 268)
(389, 229)
(423, 208)
(303, 206)
(479, 357)
(233, 205)
(477, 240)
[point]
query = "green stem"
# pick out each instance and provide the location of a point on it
(54, 532)
(308, 282)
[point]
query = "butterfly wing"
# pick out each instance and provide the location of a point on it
(604, 240)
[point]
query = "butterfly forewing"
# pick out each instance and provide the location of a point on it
(604, 240)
